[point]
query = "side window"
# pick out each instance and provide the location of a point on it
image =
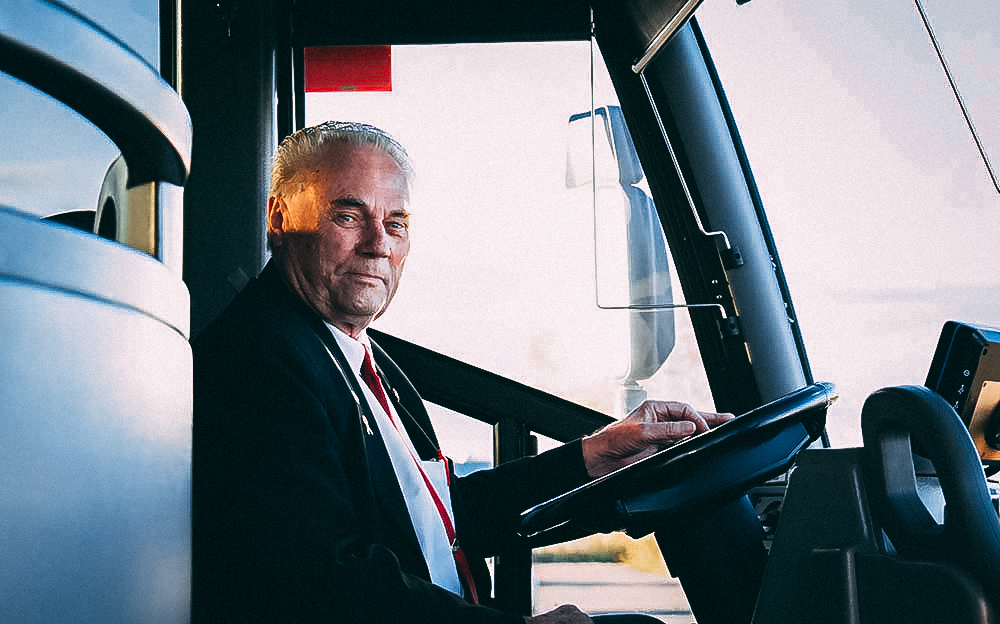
(501, 272)
(519, 264)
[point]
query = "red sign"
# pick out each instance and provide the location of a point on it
(348, 68)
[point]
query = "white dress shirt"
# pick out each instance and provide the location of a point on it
(423, 511)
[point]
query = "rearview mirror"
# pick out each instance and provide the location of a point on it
(632, 264)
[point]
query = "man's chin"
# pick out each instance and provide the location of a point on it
(368, 309)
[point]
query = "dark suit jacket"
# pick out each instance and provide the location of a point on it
(297, 514)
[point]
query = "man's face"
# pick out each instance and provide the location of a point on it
(344, 235)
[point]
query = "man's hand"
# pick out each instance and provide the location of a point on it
(654, 425)
(566, 614)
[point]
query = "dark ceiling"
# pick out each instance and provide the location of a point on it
(345, 22)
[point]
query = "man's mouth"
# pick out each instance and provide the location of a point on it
(371, 277)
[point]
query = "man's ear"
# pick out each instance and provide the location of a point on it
(276, 211)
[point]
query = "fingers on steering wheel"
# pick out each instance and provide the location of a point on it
(686, 412)
(674, 411)
(653, 436)
(714, 420)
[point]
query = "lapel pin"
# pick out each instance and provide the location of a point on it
(368, 427)
(395, 394)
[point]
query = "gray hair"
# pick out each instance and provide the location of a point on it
(298, 148)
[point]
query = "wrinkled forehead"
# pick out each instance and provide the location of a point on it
(349, 168)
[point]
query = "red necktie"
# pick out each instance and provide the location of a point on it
(461, 563)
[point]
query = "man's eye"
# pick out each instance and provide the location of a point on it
(345, 219)
(397, 226)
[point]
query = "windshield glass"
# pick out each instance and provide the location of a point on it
(882, 211)
(966, 36)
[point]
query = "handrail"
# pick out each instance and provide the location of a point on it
(61, 53)
(676, 21)
(487, 396)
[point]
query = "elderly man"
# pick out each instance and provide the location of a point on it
(320, 493)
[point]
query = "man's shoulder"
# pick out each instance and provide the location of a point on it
(262, 318)
(263, 359)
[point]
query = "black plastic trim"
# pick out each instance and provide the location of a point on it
(758, 204)
(168, 41)
(487, 396)
(381, 22)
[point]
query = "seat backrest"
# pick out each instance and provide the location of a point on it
(855, 541)
(969, 537)
(95, 365)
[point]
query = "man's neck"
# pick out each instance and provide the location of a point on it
(359, 337)
(354, 331)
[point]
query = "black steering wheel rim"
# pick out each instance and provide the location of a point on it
(712, 467)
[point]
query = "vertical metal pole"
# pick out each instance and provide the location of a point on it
(512, 567)
(298, 83)
(284, 72)
(228, 84)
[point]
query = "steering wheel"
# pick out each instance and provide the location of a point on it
(713, 466)
(970, 535)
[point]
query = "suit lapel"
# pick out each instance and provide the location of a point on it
(394, 528)
(388, 494)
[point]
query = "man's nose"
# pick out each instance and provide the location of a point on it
(375, 241)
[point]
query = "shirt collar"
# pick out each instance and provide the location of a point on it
(353, 348)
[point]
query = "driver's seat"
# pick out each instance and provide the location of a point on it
(856, 543)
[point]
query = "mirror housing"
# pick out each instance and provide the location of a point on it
(614, 165)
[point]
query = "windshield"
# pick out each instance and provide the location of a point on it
(966, 38)
(880, 205)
